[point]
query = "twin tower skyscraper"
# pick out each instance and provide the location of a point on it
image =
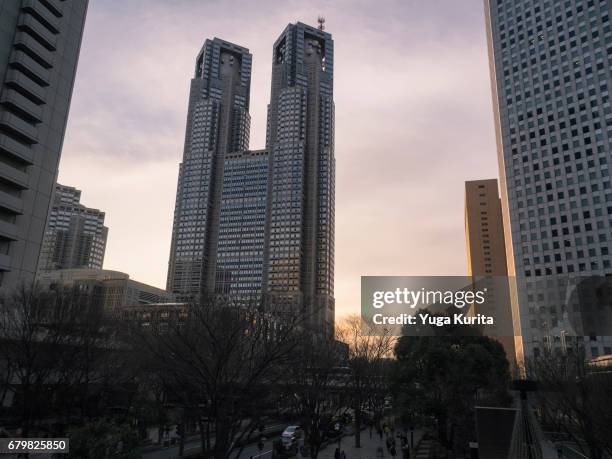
(259, 223)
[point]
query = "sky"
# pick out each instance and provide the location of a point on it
(414, 121)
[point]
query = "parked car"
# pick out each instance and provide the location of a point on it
(291, 435)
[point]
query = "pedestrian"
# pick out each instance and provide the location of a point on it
(380, 433)
(337, 453)
(342, 455)
(392, 451)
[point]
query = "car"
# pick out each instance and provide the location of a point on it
(291, 434)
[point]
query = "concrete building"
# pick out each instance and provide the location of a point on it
(486, 255)
(550, 71)
(484, 230)
(240, 255)
(75, 236)
(110, 289)
(217, 123)
(157, 317)
(39, 49)
(300, 138)
(259, 223)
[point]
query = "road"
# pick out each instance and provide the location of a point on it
(193, 446)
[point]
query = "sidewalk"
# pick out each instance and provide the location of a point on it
(368, 446)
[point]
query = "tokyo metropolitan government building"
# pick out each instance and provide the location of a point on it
(259, 223)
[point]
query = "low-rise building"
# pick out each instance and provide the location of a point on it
(110, 288)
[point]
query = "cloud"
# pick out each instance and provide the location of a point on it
(413, 122)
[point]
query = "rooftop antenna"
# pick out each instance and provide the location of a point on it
(321, 21)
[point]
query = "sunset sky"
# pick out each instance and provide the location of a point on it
(413, 122)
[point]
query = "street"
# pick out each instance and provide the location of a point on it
(193, 446)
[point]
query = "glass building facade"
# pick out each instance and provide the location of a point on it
(550, 68)
(259, 222)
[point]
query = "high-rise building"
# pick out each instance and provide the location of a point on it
(550, 69)
(217, 124)
(300, 138)
(259, 222)
(75, 236)
(486, 255)
(39, 49)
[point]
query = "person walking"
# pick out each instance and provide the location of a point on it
(261, 443)
(337, 453)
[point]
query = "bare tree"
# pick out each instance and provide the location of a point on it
(314, 388)
(575, 399)
(368, 360)
(53, 347)
(218, 361)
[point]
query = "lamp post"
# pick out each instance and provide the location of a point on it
(411, 436)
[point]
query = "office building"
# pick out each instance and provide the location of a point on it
(484, 230)
(242, 224)
(109, 289)
(75, 236)
(550, 71)
(300, 138)
(157, 317)
(259, 223)
(39, 49)
(217, 123)
(486, 255)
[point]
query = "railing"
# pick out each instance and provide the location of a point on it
(527, 436)
(569, 452)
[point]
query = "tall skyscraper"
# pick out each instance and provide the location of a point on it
(486, 256)
(300, 138)
(550, 69)
(259, 223)
(75, 236)
(39, 49)
(217, 124)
